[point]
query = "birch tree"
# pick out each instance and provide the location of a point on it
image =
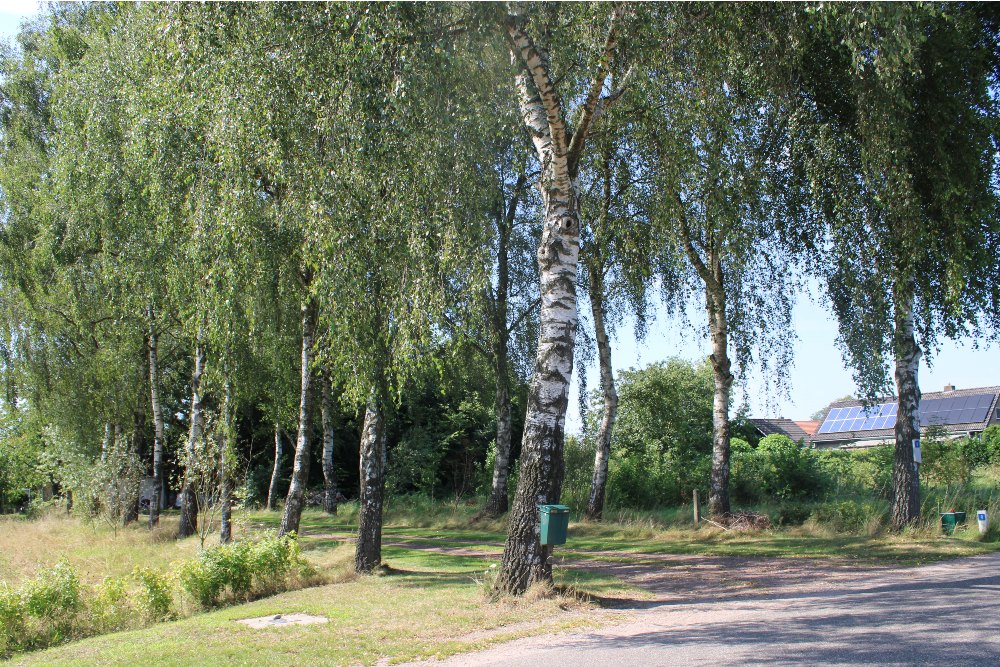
(617, 270)
(559, 134)
(899, 117)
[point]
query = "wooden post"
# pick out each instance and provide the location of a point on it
(697, 508)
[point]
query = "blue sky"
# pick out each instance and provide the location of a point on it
(11, 14)
(818, 375)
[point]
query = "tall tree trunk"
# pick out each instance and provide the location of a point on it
(226, 450)
(718, 495)
(272, 490)
(368, 553)
(189, 502)
(295, 500)
(106, 443)
(498, 503)
(713, 276)
(329, 476)
(905, 481)
(131, 486)
(525, 561)
(598, 485)
(154, 392)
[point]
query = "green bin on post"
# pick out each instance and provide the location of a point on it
(555, 523)
(948, 521)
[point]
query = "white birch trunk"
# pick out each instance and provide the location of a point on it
(525, 561)
(368, 552)
(226, 448)
(272, 490)
(329, 476)
(189, 502)
(295, 500)
(598, 484)
(156, 502)
(905, 481)
(718, 497)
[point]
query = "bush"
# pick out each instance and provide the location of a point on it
(110, 609)
(991, 443)
(778, 469)
(241, 570)
(745, 472)
(154, 597)
(54, 593)
(945, 462)
(859, 471)
(790, 514)
(12, 619)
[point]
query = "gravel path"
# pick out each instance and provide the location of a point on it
(742, 611)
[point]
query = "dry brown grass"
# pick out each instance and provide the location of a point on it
(93, 549)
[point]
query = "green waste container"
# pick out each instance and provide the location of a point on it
(948, 522)
(959, 518)
(555, 523)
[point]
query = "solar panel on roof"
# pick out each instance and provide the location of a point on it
(936, 411)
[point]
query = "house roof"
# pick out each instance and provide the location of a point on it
(809, 426)
(889, 433)
(783, 426)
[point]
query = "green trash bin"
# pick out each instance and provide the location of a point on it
(948, 522)
(959, 518)
(555, 523)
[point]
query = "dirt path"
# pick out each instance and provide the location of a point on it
(790, 612)
(671, 578)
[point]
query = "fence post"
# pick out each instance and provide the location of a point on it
(697, 508)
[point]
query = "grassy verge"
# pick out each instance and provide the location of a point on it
(430, 602)
(437, 609)
(452, 525)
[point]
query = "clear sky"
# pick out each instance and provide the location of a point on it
(818, 375)
(12, 12)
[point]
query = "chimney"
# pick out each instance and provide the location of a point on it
(949, 387)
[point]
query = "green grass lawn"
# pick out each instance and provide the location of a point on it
(429, 605)
(432, 602)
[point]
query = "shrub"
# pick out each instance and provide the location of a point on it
(12, 618)
(991, 443)
(789, 471)
(745, 480)
(54, 593)
(242, 569)
(109, 608)
(861, 470)
(945, 462)
(153, 598)
(790, 514)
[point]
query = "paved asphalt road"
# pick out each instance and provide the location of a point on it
(944, 614)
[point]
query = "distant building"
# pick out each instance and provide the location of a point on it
(796, 430)
(959, 412)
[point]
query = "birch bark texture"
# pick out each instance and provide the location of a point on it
(295, 500)
(272, 489)
(498, 503)
(368, 552)
(329, 472)
(905, 480)
(525, 561)
(189, 501)
(599, 481)
(154, 391)
(227, 449)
